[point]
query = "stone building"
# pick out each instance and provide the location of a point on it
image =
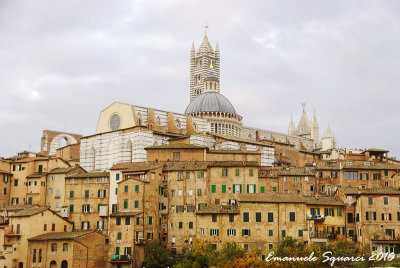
(53, 140)
(5, 183)
(86, 200)
(55, 186)
(67, 249)
(24, 224)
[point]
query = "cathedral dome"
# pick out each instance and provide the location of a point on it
(210, 101)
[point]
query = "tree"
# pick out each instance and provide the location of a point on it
(158, 257)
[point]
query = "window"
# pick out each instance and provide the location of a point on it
(333, 174)
(350, 218)
(237, 188)
(262, 189)
(116, 250)
(214, 218)
(258, 216)
(86, 193)
(339, 212)
(329, 212)
(54, 247)
(237, 172)
(190, 208)
(71, 194)
(179, 192)
(245, 217)
(117, 176)
(136, 203)
(363, 176)
(45, 227)
(65, 247)
(370, 215)
(274, 189)
(295, 179)
(251, 172)
(351, 175)
(53, 227)
(180, 208)
(214, 232)
(224, 172)
(198, 192)
(119, 236)
(190, 192)
(270, 232)
(180, 225)
(86, 208)
(137, 220)
(251, 188)
(5, 190)
(270, 217)
(177, 156)
(126, 188)
(200, 175)
(150, 220)
(40, 255)
(187, 174)
(125, 204)
(202, 232)
(34, 255)
(376, 176)
(101, 193)
(283, 233)
(118, 221)
(213, 189)
(71, 208)
(231, 232)
(15, 182)
(180, 177)
(127, 220)
(385, 200)
(190, 225)
(370, 202)
(285, 179)
(231, 218)
(223, 188)
(300, 233)
(292, 216)
(245, 232)
(87, 180)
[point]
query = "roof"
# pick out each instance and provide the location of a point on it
(369, 191)
(205, 46)
(89, 175)
(233, 164)
(210, 101)
(6, 172)
(275, 198)
(60, 235)
(29, 211)
(36, 175)
(241, 140)
(136, 166)
(17, 207)
(126, 213)
(323, 200)
(178, 166)
(232, 152)
(293, 171)
(377, 150)
(219, 209)
(176, 146)
(61, 170)
(354, 164)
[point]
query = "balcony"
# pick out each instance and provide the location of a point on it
(13, 234)
(319, 218)
(140, 241)
(121, 258)
(385, 239)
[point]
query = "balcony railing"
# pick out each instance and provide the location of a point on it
(121, 258)
(316, 217)
(324, 235)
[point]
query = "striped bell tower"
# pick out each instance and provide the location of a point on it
(201, 62)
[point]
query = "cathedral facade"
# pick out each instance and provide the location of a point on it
(210, 120)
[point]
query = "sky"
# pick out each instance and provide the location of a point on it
(62, 62)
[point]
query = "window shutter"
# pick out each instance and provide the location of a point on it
(234, 232)
(98, 193)
(234, 188)
(390, 216)
(248, 188)
(254, 186)
(227, 232)
(262, 189)
(217, 232)
(366, 216)
(83, 208)
(210, 232)
(319, 211)
(82, 226)
(374, 216)
(242, 232)
(325, 211)
(240, 188)
(104, 193)
(249, 232)
(333, 212)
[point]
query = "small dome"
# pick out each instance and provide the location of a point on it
(210, 101)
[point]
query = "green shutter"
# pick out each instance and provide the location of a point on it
(71, 194)
(137, 188)
(137, 220)
(119, 236)
(237, 172)
(325, 211)
(240, 188)
(270, 232)
(333, 212)
(98, 207)
(300, 233)
(248, 188)
(128, 221)
(258, 216)
(117, 251)
(270, 217)
(187, 174)
(150, 220)
(126, 188)
(262, 189)
(254, 186)
(213, 188)
(234, 188)
(83, 208)
(117, 176)
(251, 172)
(283, 233)
(71, 208)
(223, 189)
(98, 193)
(319, 211)
(86, 193)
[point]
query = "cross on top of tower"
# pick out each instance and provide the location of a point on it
(205, 28)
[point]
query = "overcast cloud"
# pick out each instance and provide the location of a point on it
(62, 62)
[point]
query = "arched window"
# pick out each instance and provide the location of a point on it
(54, 247)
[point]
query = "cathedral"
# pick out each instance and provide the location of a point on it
(210, 120)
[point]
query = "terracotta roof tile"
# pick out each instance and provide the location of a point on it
(323, 200)
(89, 175)
(29, 211)
(219, 209)
(60, 235)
